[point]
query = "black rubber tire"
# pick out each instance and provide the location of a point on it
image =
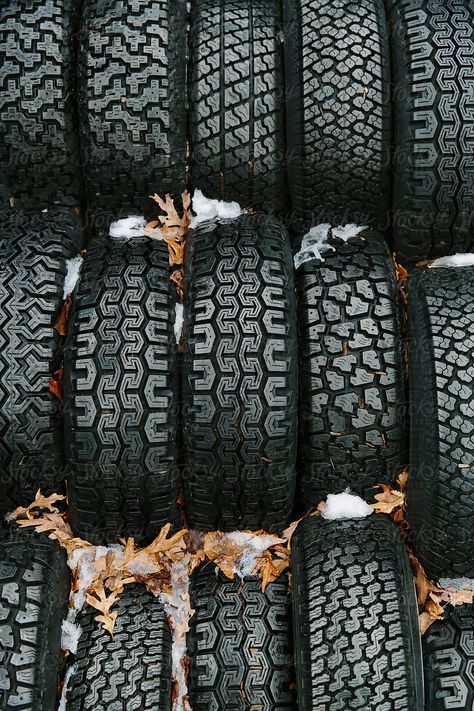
(132, 669)
(34, 249)
(449, 660)
(132, 90)
(440, 494)
(355, 618)
(338, 111)
(39, 135)
(239, 644)
(120, 392)
(237, 122)
(433, 190)
(34, 590)
(239, 376)
(352, 420)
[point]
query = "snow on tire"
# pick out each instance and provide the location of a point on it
(239, 376)
(355, 617)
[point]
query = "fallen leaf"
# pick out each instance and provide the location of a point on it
(61, 324)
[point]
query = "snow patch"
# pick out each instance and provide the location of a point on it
(206, 209)
(70, 633)
(74, 267)
(178, 322)
(316, 242)
(456, 260)
(345, 505)
(128, 227)
(253, 548)
(63, 700)
(457, 583)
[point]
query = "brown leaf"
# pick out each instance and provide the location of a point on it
(61, 324)
(389, 500)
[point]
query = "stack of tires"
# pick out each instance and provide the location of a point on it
(291, 383)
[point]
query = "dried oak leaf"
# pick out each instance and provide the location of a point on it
(389, 500)
(61, 324)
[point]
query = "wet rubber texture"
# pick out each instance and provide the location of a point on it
(120, 390)
(449, 660)
(237, 110)
(39, 135)
(132, 669)
(352, 424)
(355, 617)
(34, 249)
(433, 185)
(34, 590)
(239, 644)
(338, 111)
(440, 494)
(239, 376)
(132, 87)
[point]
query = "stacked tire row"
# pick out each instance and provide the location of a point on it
(349, 149)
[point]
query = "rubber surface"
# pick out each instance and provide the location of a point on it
(433, 188)
(239, 376)
(120, 393)
(448, 661)
(236, 88)
(34, 589)
(239, 644)
(338, 111)
(34, 249)
(440, 493)
(39, 142)
(352, 425)
(132, 87)
(132, 669)
(355, 618)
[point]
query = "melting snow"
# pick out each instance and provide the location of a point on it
(74, 266)
(456, 260)
(70, 633)
(457, 583)
(63, 700)
(345, 505)
(178, 322)
(315, 243)
(128, 227)
(253, 547)
(207, 209)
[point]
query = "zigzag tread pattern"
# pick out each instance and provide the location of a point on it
(34, 588)
(448, 660)
(34, 249)
(441, 483)
(352, 384)
(239, 376)
(433, 198)
(237, 102)
(239, 644)
(39, 146)
(120, 392)
(355, 617)
(339, 113)
(132, 90)
(129, 671)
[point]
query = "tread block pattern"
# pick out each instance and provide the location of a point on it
(34, 590)
(338, 111)
(132, 86)
(355, 617)
(120, 392)
(34, 249)
(239, 376)
(237, 102)
(239, 644)
(448, 658)
(440, 496)
(433, 192)
(352, 384)
(129, 671)
(39, 144)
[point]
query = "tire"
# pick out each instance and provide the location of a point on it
(355, 617)
(34, 590)
(132, 85)
(239, 644)
(352, 382)
(39, 139)
(34, 249)
(433, 190)
(448, 661)
(239, 376)
(440, 494)
(338, 111)
(237, 125)
(120, 393)
(132, 669)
